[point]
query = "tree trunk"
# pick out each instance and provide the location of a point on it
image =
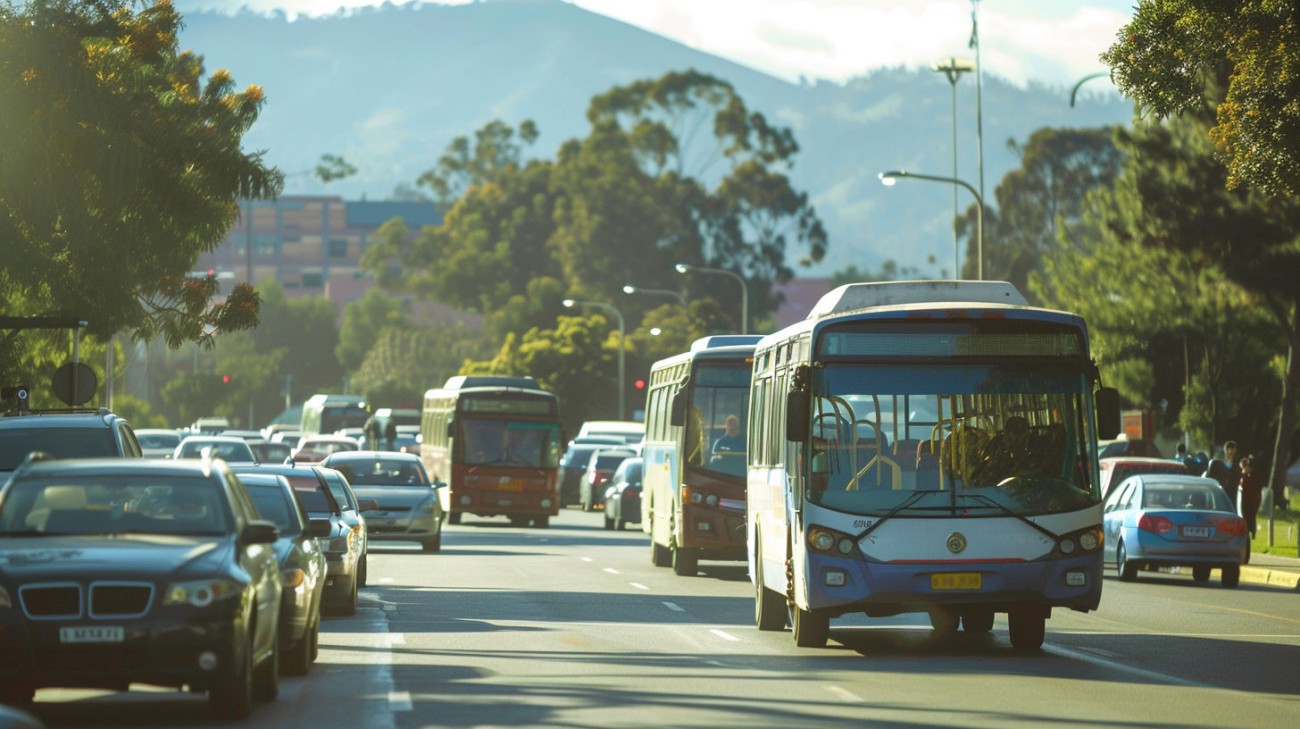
(1286, 416)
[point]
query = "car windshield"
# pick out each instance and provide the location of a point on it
(275, 506)
(118, 504)
(1014, 435)
(225, 450)
(16, 443)
(1201, 496)
(381, 472)
(715, 438)
(507, 442)
(158, 440)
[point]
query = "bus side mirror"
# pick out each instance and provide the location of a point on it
(797, 406)
(451, 429)
(677, 410)
(1108, 416)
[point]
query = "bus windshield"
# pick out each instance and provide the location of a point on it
(334, 418)
(975, 439)
(506, 442)
(715, 435)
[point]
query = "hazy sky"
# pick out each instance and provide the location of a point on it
(1054, 41)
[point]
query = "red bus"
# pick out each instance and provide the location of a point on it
(494, 442)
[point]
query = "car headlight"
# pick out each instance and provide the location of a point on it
(423, 508)
(201, 593)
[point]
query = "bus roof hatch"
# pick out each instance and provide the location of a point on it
(851, 297)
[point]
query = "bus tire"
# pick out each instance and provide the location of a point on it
(453, 517)
(685, 563)
(1027, 629)
(541, 522)
(977, 620)
(769, 606)
(811, 628)
(659, 554)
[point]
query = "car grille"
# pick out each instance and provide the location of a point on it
(108, 600)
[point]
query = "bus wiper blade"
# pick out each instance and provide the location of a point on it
(915, 497)
(1006, 510)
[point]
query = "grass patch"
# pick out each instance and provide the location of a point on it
(1286, 530)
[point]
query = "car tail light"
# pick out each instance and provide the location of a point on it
(1233, 527)
(1155, 524)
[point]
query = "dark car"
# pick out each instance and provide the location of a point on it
(1159, 520)
(600, 469)
(226, 447)
(1139, 447)
(302, 566)
(64, 434)
(572, 465)
(352, 508)
(342, 547)
(120, 571)
(623, 495)
(407, 507)
(268, 452)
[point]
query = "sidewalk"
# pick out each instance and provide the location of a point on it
(1272, 571)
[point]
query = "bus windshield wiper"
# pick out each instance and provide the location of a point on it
(1008, 511)
(915, 497)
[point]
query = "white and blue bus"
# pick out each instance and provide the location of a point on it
(926, 446)
(693, 477)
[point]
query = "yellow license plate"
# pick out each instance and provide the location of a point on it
(511, 486)
(955, 581)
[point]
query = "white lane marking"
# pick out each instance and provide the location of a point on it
(674, 607)
(396, 639)
(386, 580)
(610, 570)
(724, 635)
(585, 559)
(388, 607)
(844, 694)
(638, 585)
(399, 701)
(1118, 666)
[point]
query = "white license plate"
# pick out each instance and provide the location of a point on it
(1197, 531)
(97, 634)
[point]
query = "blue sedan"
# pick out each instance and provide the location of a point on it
(1157, 520)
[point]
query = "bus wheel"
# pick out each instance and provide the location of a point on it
(659, 554)
(977, 620)
(1027, 628)
(454, 517)
(769, 605)
(944, 620)
(811, 627)
(685, 563)
(541, 522)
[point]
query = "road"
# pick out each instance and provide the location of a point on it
(572, 626)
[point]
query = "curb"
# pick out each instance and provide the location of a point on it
(1270, 577)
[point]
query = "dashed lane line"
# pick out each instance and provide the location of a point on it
(639, 586)
(674, 607)
(724, 635)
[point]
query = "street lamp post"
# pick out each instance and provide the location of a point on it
(629, 290)
(569, 304)
(889, 178)
(953, 68)
(744, 289)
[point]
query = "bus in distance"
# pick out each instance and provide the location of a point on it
(494, 441)
(324, 414)
(926, 446)
(693, 478)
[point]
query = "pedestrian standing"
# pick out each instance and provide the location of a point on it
(1227, 471)
(1252, 487)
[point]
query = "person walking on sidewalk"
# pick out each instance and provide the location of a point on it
(1227, 472)
(1252, 486)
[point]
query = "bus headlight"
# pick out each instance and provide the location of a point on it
(821, 540)
(545, 503)
(1089, 541)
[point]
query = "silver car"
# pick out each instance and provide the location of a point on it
(408, 508)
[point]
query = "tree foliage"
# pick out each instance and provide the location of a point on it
(1171, 49)
(121, 164)
(363, 322)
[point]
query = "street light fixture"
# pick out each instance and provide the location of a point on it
(953, 68)
(889, 178)
(661, 292)
(569, 304)
(744, 289)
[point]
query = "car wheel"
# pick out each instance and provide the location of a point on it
(362, 569)
(609, 523)
(977, 620)
(1201, 573)
(619, 524)
(432, 544)
(350, 607)
(685, 563)
(235, 700)
(266, 677)
(811, 628)
(1027, 628)
(17, 693)
(297, 662)
(770, 609)
(453, 518)
(1231, 576)
(1126, 570)
(315, 639)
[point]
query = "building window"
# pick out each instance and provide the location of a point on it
(338, 248)
(313, 280)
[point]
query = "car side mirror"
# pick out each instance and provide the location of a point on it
(259, 532)
(320, 528)
(367, 505)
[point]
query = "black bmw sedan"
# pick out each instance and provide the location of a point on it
(125, 571)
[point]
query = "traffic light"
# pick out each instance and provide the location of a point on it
(225, 379)
(639, 384)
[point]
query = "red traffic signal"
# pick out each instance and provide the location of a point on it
(225, 379)
(638, 383)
